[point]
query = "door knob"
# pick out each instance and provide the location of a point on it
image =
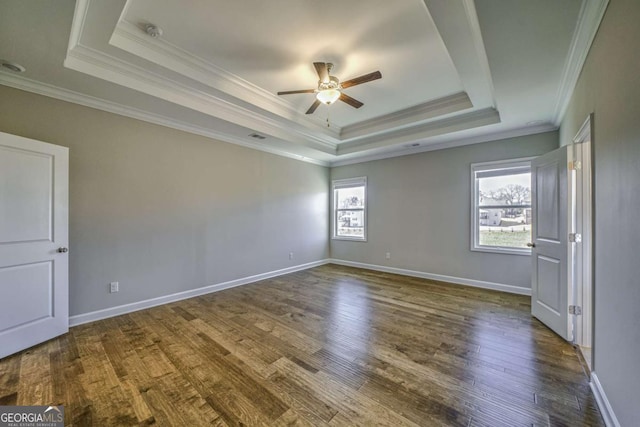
(531, 245)
(63, 250)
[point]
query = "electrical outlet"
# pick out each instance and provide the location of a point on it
(388, 255)
(290, 255)
(114, 287)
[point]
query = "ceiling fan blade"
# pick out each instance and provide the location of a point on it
(291, 92)
(321, 69)
(313, 107)
(362, 79)
(349, 100)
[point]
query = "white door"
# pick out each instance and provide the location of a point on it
(551, 277)
(34, 295)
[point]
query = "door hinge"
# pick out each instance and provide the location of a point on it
(575, 237)
(575, 166)
(575, 309)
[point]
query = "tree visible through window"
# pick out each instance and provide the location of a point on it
(349, 201)
(502, 206)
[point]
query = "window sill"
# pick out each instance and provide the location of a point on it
(349, 239)
(503, 251)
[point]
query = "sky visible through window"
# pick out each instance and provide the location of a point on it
(345, 195)
(495, 183)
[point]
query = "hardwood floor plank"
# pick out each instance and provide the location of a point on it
(307, 398)
(359, 408)
(329, 346)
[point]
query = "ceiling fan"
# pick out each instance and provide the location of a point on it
(330, 89)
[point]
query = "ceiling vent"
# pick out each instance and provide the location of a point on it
(257, 136)
(153, 30)
(12, 66)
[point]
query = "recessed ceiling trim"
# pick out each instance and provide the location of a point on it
(409, 116)
(117, 75)
(130, 38)
(77, 24)
(458, 25)
(66, 95)
(484, 117)
(451, 143)
(98, 64)
(591, 14)
(478, 44)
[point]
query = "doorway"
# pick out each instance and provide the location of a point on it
(562, 241)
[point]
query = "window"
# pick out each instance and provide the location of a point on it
(501, 201)
(350, 209)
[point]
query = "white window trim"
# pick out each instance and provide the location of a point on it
(483, 166)
(345, 183)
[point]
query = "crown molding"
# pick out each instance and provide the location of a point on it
(138, 114)
(483, 117)
(409, 116)
(589, 19)
(202, 86)
(130, 38)
(478, 45)
(77, 24)
(458, 142)
(107, 67)
(458, 26)
(199, 85)
(99, 64)
(66, 95)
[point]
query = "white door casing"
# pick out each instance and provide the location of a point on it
(551, 275)
(583, 250)
(34, 200)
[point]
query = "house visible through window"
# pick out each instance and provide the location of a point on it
(501, 217)
(350, 209)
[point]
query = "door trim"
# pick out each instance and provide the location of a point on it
(582, 146)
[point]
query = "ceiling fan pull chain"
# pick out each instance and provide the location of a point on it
(328, 124)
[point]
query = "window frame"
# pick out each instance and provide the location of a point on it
(475, 208)
(338, 184)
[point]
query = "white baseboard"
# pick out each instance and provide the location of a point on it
(451, 279)
(603, 403)
(80, 319)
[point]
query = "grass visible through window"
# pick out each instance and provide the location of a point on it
(505, 238)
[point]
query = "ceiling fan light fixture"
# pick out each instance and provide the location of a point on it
(328, 96)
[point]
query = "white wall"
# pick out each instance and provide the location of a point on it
(609, 86)
(419, 207)
(162, 211)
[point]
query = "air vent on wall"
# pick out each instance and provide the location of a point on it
(257, 136)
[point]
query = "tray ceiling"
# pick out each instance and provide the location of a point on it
(454, 72)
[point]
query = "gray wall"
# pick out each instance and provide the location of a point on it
(419, 207)
(162, 211)
(609, 86)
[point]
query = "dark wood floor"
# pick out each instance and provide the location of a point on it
(328, 346)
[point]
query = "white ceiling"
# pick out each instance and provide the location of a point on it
(454, 72)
